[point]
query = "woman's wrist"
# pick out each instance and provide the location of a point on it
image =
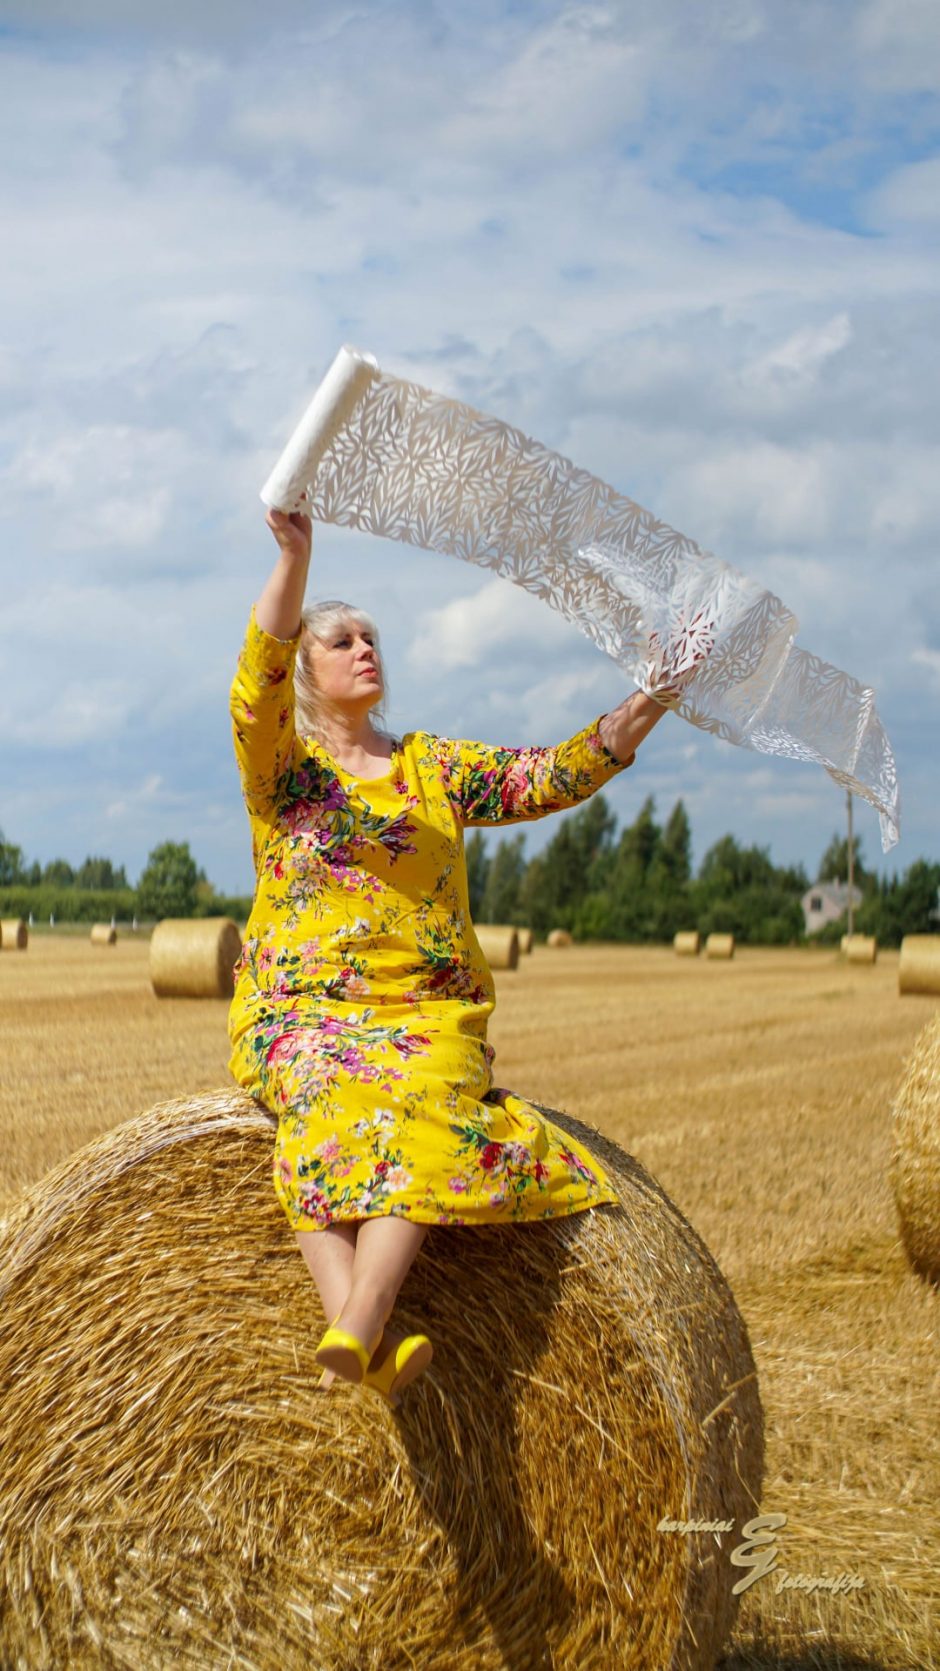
(624, 728)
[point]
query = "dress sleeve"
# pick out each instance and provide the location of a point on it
(489, 785)
(261, 703)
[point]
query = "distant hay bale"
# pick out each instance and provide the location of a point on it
(174, 1490)
(861, 948)
(103, 934)
(194, 957)
(14, 934)
(915, 1161)
(843, 943)
(526, 941)
(499, 944)
(560, 937)
(719, 945)
(687, 943)
(919, 966)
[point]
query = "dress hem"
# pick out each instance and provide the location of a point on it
(604, 1198)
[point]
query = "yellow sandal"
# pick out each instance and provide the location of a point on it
(402, 1364)
(336, 1349)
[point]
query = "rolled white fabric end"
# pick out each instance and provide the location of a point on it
(334, 402)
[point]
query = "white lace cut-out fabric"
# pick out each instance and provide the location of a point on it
(391, 458)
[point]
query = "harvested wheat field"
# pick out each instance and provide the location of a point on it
(758, 1092)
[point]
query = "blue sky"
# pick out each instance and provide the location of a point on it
(692, 247)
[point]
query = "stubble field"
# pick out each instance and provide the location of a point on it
(758, 1093)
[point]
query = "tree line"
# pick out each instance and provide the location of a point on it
(600, 884)
(171, 884)
(639, 885)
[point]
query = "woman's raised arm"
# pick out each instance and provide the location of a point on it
(279, 607)
(262, 694)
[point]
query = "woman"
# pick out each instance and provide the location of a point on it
(362, 997)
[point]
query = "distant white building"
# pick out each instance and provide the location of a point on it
(826, 902)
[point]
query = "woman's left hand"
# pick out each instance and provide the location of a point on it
(672, 666)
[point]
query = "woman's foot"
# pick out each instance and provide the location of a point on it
(390, 1339)
(365, 1321)
(391, 1372)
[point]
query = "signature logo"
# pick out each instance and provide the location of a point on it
(759, 1553)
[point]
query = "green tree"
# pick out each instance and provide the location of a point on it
(631, 911)
(834, 864)
(591, 830)
(917, 902)
(555, 883)
(11, 863)
(477, 866)
(639, 842)
(667, 878)
(503, 881)
(739, 892)
(168, 884)
(535, 910)
(100, 873)
(675, 848)
(58, 873)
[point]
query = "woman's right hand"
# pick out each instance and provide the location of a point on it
(293, 532)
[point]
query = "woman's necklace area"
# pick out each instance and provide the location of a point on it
(360, 776)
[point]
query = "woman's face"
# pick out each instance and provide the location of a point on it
(345, 666)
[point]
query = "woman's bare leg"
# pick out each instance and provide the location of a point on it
(329, 1256)
(385, 1251)
(337, 1265)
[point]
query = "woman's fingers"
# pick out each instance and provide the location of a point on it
(292, 530)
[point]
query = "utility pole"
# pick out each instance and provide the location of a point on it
(848, 801)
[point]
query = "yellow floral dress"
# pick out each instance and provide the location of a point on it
(362, 996)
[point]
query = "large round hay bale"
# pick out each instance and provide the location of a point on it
(919, 966)
(104, 934)
(175, 1491)
(719, 945)
(560, 937)
(915, 1161)
(194, 957)
(499, 945)
(687, 943)
(14, 934)
(526, 941)
(860, 948)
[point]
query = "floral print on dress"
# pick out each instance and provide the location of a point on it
(362, 997)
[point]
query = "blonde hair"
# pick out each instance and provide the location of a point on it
(320, 621)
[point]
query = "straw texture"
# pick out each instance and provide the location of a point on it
(499, 944)
(861, 948)
(719, 945)
(103, 934)
(560, 937)
(176, 1493)
(14, 934)
(919, 965)
(526, 941)
(194, 957)
(687, 944)
(915, 1162)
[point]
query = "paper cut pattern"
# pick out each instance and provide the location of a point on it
(412, 465)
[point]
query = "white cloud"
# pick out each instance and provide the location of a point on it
(146, 794)
(911, 195)
(481, 627)
(899, 43)
(574, 81)
(519, 208)
(930, 659)
(802, 355)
